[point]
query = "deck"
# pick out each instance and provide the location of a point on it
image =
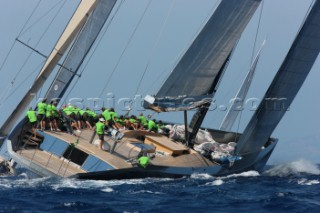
(118, 155)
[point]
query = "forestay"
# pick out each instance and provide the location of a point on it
(195, 73)
(285, 85)
(79, 49)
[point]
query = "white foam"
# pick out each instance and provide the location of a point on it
(202, 176)
(105, 186)
(69, 204)
(296, 167)
(307, 182)
(145, 192)
(244, 174)
(108, 189)
(22, 182)
(78, 184)
(217, 182)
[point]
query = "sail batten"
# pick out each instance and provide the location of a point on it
(196, 71)
(286, 84)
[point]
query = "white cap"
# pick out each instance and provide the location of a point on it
(101, 119)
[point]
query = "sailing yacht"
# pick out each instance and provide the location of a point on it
(196, 77)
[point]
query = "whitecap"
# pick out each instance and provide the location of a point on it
(244, 174)
(78, 184)
(104, 185)
(293, 168)
(307, 182)
(217, 182)
(202, 176)
(108, 189)
(145, 192)
(69, 204)
(23, 183)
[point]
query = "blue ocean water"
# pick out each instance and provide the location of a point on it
(293, 187)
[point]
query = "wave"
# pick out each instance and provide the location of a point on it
(217, 181)
(307, 182)
(294, 168)
(245, 174)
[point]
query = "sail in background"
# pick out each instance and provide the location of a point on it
(238, 101)
(285, 85)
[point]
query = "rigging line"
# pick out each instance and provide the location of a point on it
(127, 45)
(154, 82)
(25, 80)
(154, 47)
(25, 62)
(184, 50)
(257, 32)
(181, 54)
(25, 24)
(252, 59)
(306, 16)
(94, 50)
(41, 17)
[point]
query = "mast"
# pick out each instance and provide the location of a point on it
(74, 26)
(238, 101)
(284, 87)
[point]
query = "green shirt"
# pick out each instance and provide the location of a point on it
(49, 110)
(81, 112)
(106, 114)
(100, 128)
(144, 161)
(76, 110)
(68, 110)
(120, 121)
(32, 116)
(132, 120)
(152, 125)
(91, 113)
(143, 120)
(54, 111)
(42, 108)
(113, 114)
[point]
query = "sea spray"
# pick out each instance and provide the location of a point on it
(294, 168)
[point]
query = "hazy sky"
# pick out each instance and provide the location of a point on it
(149, 37)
